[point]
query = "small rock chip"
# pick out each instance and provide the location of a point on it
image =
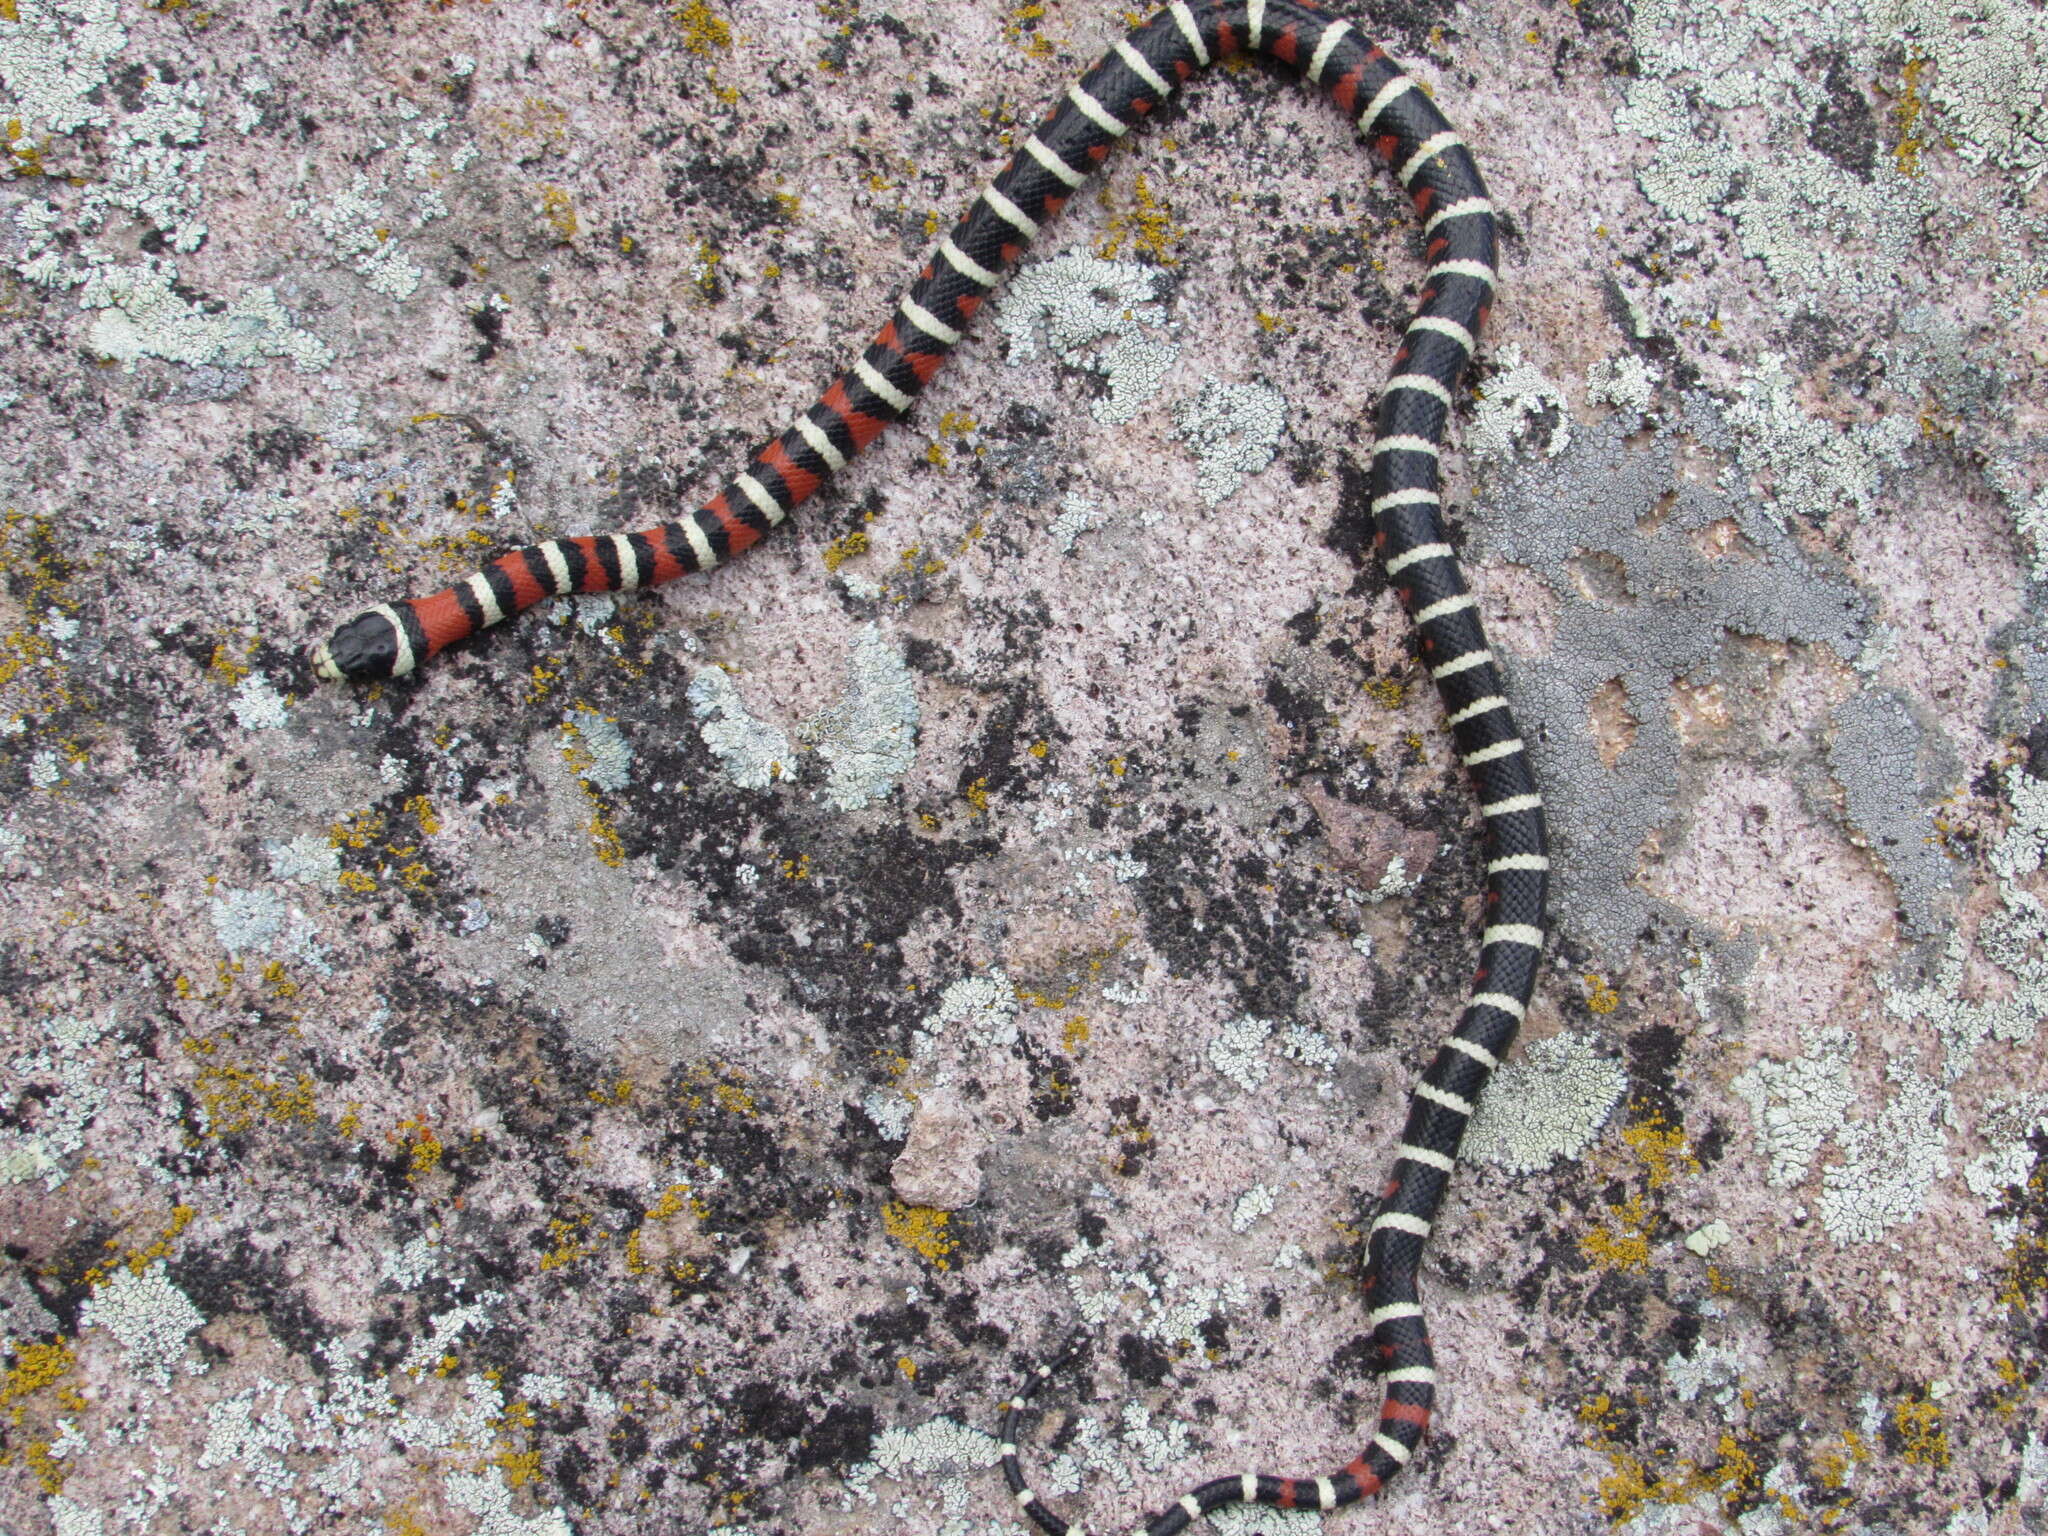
(940, 1165)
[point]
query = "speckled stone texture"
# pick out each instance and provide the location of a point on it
(499, 1102)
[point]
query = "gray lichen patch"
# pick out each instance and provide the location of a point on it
(1876, 754)
(1663, 615)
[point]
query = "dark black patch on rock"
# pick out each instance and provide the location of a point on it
(1844, 128)
(236, 1276)
(840, 1437)
(1143, 1361)
(1203, 924)
(767, 1412)
(489, 323)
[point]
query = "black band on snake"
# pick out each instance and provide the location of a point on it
(1399, 121)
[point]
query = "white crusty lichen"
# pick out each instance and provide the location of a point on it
(239, 1432)
(1515, 397)
(1257, 1520)
(1310, 1047)
(1710, 1368)
(1716, 1234)
(1842, 218)
(1546, 1104)
(1989, 58)
(1251, 1205)
(307, 859)
(1798, 1104)
(72, 1519)
(1234, 430)
(354, 224)
(2030, 521)
(409, 1266)
(141, 315)
(148, 1316)
(258, 706)
(1811, 467)
(487, 1496)
(1096, 314)
(986, 1005)
(753, 753)
(2014, 937)
(2033, 1479)
(53, 60)
(51, 1096)
(147, 166)
(1174, 1311)
(1889, 1164)
(890, 1112)
(1137, 1445)
(248, 922)
(1154, 1447)
(1239, 1051)
(2007, 1127)
(1077, 516)
(868, 740)
(300, 1454)
(938, 1453)
(1625, 382)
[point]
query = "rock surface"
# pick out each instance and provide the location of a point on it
(940, 1165)
(469, 1105)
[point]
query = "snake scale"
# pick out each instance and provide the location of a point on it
(1401, 123)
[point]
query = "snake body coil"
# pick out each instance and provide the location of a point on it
(1401, 123)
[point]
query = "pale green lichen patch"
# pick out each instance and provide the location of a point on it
(1889, 1163)
(938, 1455)
(986, 1006)
(1516, 397)
(1238, 1052)
(354, 225)
(52, 1095)
(140, 315)
(1171, 1310)
(1251, 1205)
(2014, 938)
(753, 753)
(55, 61)
(1799, 1104)
(868, 739)
(149, 1317)
(1096, 314)
(1625, 382)
(1808, 468)
(1546, 1104)
(1989, 60)
(308, 859)
(1116, 1453)
(1077, 516)
(1234, 431)
(597, 751)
